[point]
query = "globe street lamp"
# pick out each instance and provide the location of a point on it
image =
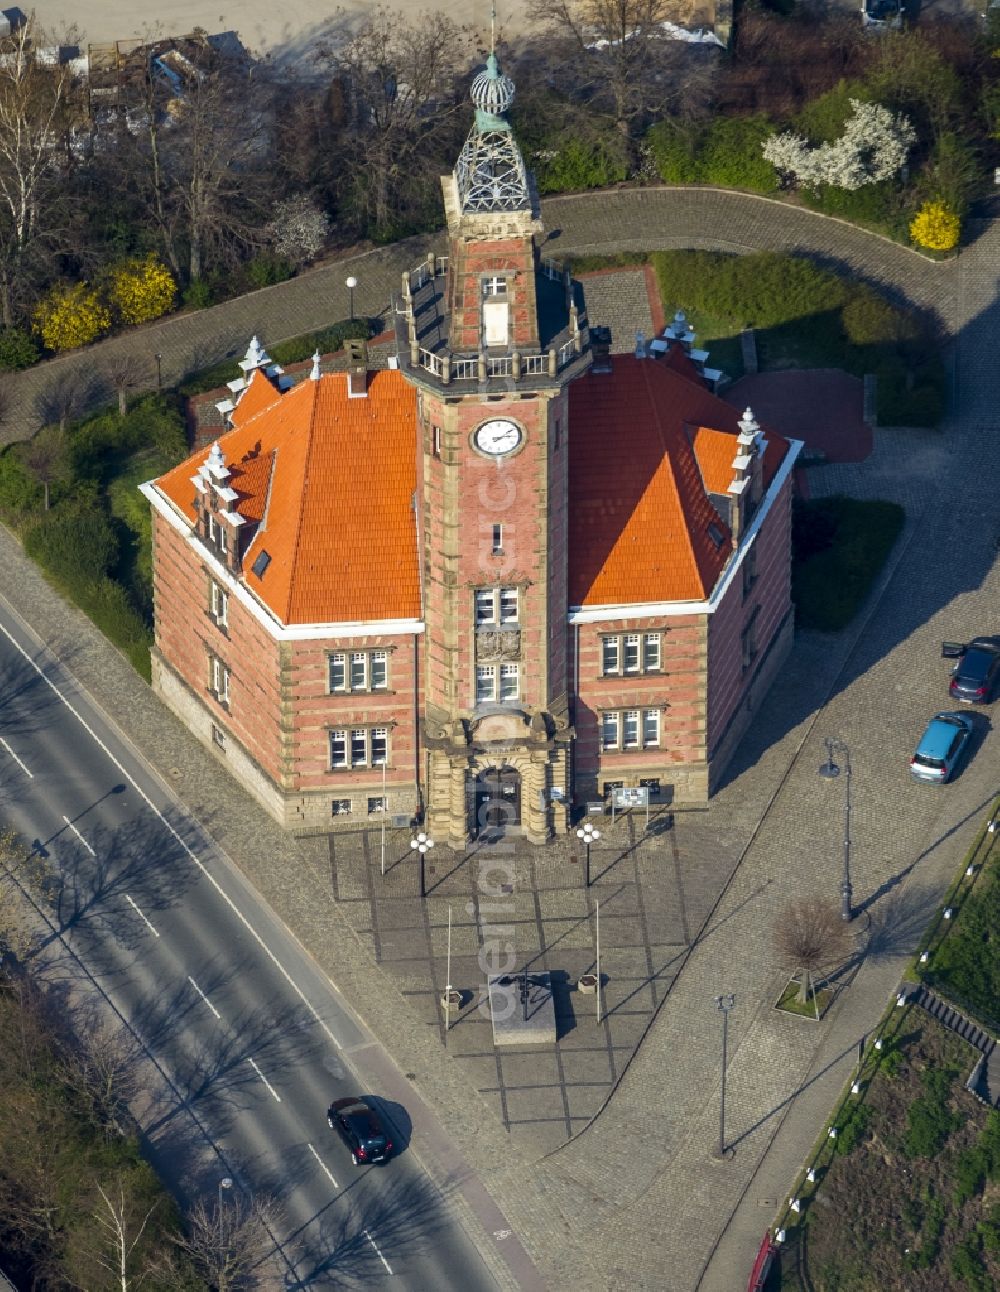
(589, 835)
(225, 1183)
(831, 771)
(421, 844)
(350, 284)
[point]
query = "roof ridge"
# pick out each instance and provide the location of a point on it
(672, 475)
(306, 485)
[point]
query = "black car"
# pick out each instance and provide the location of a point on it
(975, 676)
(359, 1126)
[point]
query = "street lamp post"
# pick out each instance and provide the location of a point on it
(725, 1004)
(421, 844)
(225, 1183)
(589, 835)
(831, 771)
(350, 284)
(159, 370)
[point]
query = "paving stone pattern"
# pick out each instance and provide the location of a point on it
(637, 1198)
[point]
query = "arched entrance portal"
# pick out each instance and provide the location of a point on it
(498, 799)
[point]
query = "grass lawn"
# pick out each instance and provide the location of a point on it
(913, 1204)
(839, 546)
(790, 1003)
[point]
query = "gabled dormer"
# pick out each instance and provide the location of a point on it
(217, 521)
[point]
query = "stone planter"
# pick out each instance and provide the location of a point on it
(451, 1001)
(587, 984)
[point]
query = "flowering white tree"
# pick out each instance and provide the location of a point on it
(873, 147)
(299, 229)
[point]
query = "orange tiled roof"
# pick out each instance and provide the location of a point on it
(260, 393)
(325, 483)
(647, 444)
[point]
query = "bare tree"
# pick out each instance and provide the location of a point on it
(121, 1232)
(101, 1063)
(126, 372)
(63, 398)
(399, 97)
(34, 108)
(809, 936)
(229, 1241)
(615, 55)
(45, 456)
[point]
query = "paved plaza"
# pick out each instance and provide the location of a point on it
(634, 1196)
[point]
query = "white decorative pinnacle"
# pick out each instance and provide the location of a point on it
(314, 371)
(748, 423)
(256, 357)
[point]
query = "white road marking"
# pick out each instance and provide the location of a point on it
(204, 998)
(388, 1267)
(253, 1064)
(141, 916)
(324, 1166)
(170, 829)
(17, 760)
(79, 836)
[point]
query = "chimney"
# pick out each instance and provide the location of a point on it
(600, 347)
(357, 368)
(744, 486)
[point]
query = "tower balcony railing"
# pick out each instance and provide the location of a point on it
(422, 327)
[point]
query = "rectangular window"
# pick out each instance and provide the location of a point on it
(748, 639)
(495, 286)
(630, 729)
(338, 748)
(609, 654)
(379, 670)
(338, 671)
(555, 433)
(631, 652)
(749, 569)
(380, 746)
(359, 747)
(220, 605)
(485, 606)
(609, 730)
(508, 605)
(436, 438)
(220, 680)
(651, 653)
(486, 683)
(509, 683)
(650, 728)
(359, 671)
(376, 805)
(340, 807)
(497, 539)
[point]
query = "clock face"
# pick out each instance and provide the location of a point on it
(498, 437)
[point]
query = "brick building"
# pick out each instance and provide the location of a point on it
(492, 581)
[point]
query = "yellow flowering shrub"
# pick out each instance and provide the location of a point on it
(71, 315)
(141, 289)
(936, 226)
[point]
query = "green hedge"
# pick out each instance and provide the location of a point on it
(839, 546)
(726, 151)
(582, 164)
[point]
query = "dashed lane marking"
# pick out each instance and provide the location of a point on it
(388, 1267)
(79, 836)
(274, 1093)
(324, 1166)
(204, 998)
(30, 775)
(135, 907)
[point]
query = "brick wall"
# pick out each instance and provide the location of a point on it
(469, 263)
(678, 691)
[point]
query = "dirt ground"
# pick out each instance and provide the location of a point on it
(262, 25)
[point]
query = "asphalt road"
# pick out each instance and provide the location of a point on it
(248, 1039)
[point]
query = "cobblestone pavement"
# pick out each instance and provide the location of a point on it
(632, 219)
(637, 1198)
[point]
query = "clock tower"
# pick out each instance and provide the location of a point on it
(491, 335)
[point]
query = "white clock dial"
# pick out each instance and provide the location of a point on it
(498, 437)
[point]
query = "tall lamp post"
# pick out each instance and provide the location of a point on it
(589, 835)
(225, 1183)
(350, 284)
(725, 1004)
(159, 370)
(831, 771)
(421, 844)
